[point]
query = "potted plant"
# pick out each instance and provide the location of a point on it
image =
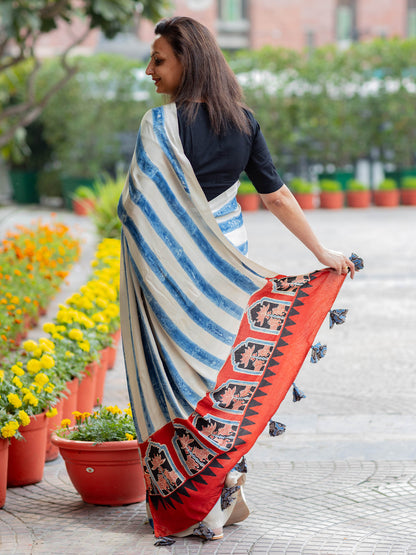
(101, 455)
(408, 191)
(248, 197)
(331, 194)
(107, 194)
(387, 194)
(358, 195)
(83, 200)
(304, 193)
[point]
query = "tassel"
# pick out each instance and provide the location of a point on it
(358, 262)
(318, 352)
(297, 394)
(164, 541)
(337, 316)
(226, 498)
(276, 428)
(241, 466)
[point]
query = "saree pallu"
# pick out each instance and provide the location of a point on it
(212, 341)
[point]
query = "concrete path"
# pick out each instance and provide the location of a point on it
(342, 479)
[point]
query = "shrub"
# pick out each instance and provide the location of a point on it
(330, 186)
(355, 185)
(409, 182)
(301, 186)
(387, 185)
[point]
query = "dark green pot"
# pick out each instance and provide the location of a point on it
(70, 184)
(24, 186)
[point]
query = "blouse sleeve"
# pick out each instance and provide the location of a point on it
(260, 168)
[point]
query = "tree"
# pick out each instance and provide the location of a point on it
(22, 22)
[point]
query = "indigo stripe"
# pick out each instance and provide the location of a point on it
(231, 224)
(175, 248)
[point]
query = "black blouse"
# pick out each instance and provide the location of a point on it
(218, 160)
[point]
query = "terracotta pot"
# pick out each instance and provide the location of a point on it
(71, 401)
(112, 350)
(388, 198)
(307, 201)
(82, 207)
(108, 473)
(408, 197)
(27, 456)
(333, 200)
(4, 455)
(359, 199)
(101, 374)
(53, 422)
(86, 389)
(249, 203)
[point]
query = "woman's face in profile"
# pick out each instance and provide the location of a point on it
(164, 67)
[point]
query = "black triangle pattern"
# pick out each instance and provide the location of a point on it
(247, 422)
(289, 322)
(285, 333)
(269, 373)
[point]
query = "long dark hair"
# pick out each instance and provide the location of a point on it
(206, 75)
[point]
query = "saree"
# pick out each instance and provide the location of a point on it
(212, 340)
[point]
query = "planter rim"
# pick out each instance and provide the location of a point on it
(87, 445)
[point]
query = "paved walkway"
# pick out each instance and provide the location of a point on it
(342, 479)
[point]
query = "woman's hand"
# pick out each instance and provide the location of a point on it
(286, 208)
(337, 261)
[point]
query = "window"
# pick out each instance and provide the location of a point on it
(411, 18)
(232, 10)
(345, 21)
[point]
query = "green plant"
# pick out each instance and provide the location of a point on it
(105, 216)
(330, 186)
(246, 188)
(355, 185)
(301, 186)
(409, 182)
(84, 192)
(105, 424)
(387, 185)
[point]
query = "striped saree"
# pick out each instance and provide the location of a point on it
(212, 341)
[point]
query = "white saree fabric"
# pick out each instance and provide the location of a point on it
(184, 286)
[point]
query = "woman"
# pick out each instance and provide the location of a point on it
(212, 341)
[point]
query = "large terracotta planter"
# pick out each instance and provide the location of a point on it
(408, 197)
(331, 200)
(53, 422)
(388, 198)
(307, 201)
(358, 199)
(27, 456)
(108, 473)
(112, 350)
(86, 389)
(4, 455)
(249, 203)
(71, 401)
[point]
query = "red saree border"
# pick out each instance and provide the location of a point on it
(186, 461)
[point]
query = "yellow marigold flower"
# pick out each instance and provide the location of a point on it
(30, 345)
(24, 418)
(17, 370)
(86, 414)
(65, 423)
(47, 345)
(14, 400)
(129, 437)
(41, 379)
(85, 346)
(102, 328)
(49, 388)
(52, 412)
(98, 317)
(114, 410)
(33, 366)
(86, 322)
(75, 334)
(77, 414)
(17, 382)
(9, 429)
(31, 399)
(1, 375)
(47, 362)
(49, 327)
(128, 411)
(37, 353)
(68, 354)
(101, 303)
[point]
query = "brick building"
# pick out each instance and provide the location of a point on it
(255, 23)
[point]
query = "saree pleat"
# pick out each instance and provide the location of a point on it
(212, 341)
